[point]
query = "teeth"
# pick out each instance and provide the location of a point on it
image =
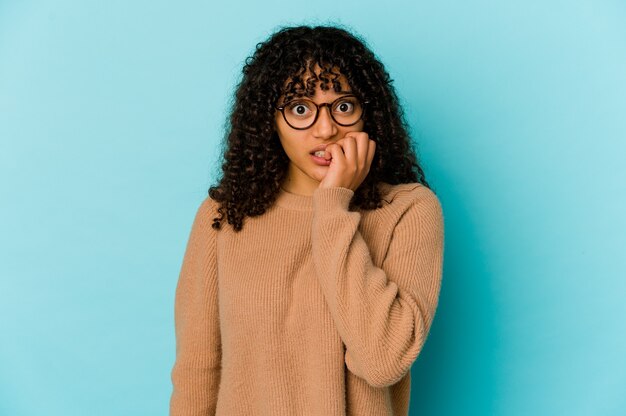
(320, 153)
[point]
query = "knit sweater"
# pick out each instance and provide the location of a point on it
(313, 308)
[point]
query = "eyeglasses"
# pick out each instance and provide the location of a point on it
(302, 113)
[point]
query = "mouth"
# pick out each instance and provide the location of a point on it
(318, 150)
(320, 160)
(318, 153)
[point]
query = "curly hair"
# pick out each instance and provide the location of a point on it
(255, 163)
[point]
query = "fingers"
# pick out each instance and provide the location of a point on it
(370, 153)
(364, 155)
(352, 155)
(334, 151)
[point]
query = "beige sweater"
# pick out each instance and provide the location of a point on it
(312, 309)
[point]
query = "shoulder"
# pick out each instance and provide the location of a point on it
(401, 197)
(412, 209)
(411, 206)
(205, 212)
(208, 206)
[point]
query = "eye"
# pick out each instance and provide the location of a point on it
(345, 106)
(299, 108)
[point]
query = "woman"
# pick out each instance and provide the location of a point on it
(322, 301)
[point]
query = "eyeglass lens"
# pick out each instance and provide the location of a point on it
(301, 113)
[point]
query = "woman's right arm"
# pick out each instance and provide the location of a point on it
(196, 372)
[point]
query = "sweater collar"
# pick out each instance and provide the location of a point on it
(299, 202)
(293, 201)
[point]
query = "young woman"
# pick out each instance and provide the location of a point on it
(319, 295)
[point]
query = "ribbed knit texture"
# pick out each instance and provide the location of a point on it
(312, 309)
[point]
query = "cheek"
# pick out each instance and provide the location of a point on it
(291, 147)
(290, 140)
(289, 144)
(357, 127)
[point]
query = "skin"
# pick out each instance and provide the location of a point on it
(350, 150)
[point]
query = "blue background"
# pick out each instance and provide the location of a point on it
(110, 119)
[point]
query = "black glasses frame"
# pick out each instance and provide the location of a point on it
(319, 107)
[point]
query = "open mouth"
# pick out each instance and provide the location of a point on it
(320, 160)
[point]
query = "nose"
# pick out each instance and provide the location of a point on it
(325, 126)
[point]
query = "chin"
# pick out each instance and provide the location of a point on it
(318, 174)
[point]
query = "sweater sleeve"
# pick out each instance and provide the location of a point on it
(196, 371)
(383, 315)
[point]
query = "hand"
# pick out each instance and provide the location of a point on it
(351, 158)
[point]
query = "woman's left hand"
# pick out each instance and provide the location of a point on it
(351, 160)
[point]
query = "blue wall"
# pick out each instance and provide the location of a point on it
(110, 117)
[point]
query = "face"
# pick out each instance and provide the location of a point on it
(304, 175)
